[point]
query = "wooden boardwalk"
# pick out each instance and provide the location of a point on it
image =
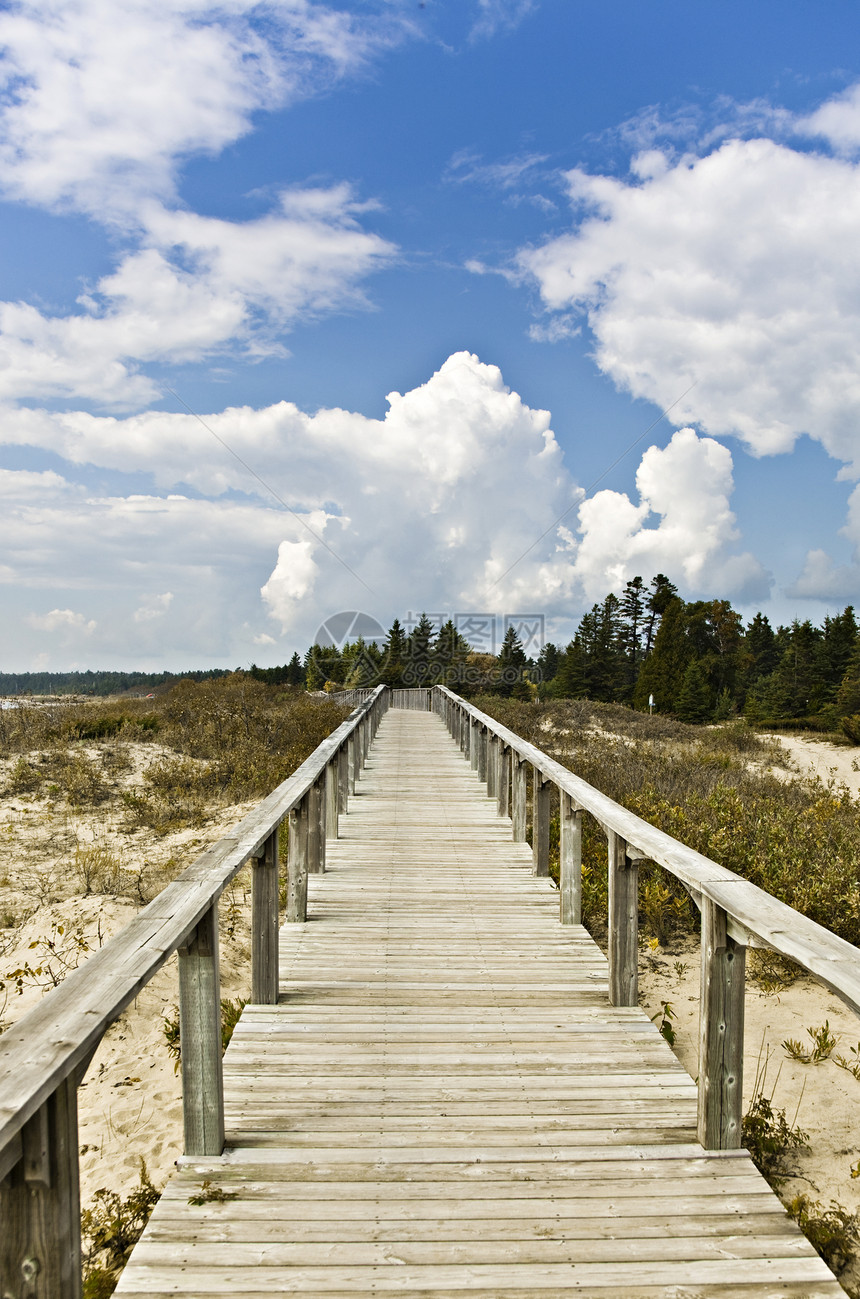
(444, 1104)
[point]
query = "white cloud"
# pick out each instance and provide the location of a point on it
(240, 281)
(428, 507)
(102, 99)
(837, 121)
(63, 620)
(689, 486)
(500, 15)
(739, 272)
(153, 607)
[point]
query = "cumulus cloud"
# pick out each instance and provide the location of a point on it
(199, 286)
(153, 607)
(688, 486)
(102, 99)
(63, 620)
(739, 272)
(436, 506)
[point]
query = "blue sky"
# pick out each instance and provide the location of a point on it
(316, 306)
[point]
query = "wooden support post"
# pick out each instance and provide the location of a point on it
(482, 754)
(352, 761)
(40, 1205)
(200, 1036)
(721, 1033)
(540, 823)
(264, 925)
(342, 780)
(331, 799)
(623, 925)
(316, 829)
(570, 862)
(474, 737)
(504, 785)
(492, 766)
(518, 798)
(297, 864)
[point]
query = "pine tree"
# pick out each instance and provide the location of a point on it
(512, 666)
(662, 592)
(569, 680)
(416, 663)
(548, 661)
(448, 656)
(662, 673)
(632, 617)
(393, 656)
(837, 647)
(295, 673)
(694, 702)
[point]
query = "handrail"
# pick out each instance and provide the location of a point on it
(735, 912)
(45, 1055)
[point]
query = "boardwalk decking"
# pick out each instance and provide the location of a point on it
(444, 1104)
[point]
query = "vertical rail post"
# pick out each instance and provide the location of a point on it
(504, 786)
(623, 924)
(721, 1033)
(343, 779)
(352, 761)
(492, 766)
(540, 823)
(474, 743)
(570, 862)
(518, 798)
(297, 864)
(200, 1035)
(264, 924)
(316, 829)
(482, 754)
(331, 798)
(40, 1205)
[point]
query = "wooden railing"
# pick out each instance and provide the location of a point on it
(735, 913)
(44, 1056)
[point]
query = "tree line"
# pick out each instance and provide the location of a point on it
(696, 660)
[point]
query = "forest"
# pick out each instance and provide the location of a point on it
(647, 648)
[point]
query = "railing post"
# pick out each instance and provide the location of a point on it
(297, 864)
(264, 924)
(540, 823)
(343, 779)
(623, 924)
(352, 761)
(570, 861)
(331, 799)
(200, 1038)
(492, 766)
(482, 754)
(474, 743)
(316, 829)
(721, 1033)
(40, 1205)
(518, 798)
(504, 779)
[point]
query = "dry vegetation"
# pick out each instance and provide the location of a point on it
(102, 803)
(727, 792)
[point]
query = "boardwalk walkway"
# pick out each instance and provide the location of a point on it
(444, 1104)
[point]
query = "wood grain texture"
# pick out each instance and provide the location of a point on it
(444, 1104)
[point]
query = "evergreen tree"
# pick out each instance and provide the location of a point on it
(694, 703)
(416, 664)
(295, 674)
(448, 656)
(393, 656)
(837, 648)
(795, 688)
(548, 661)
(662, 673)
(512, 666)
(569, 680)
(600, 637)
(632, 617)
(661, 593)
(848, 694)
